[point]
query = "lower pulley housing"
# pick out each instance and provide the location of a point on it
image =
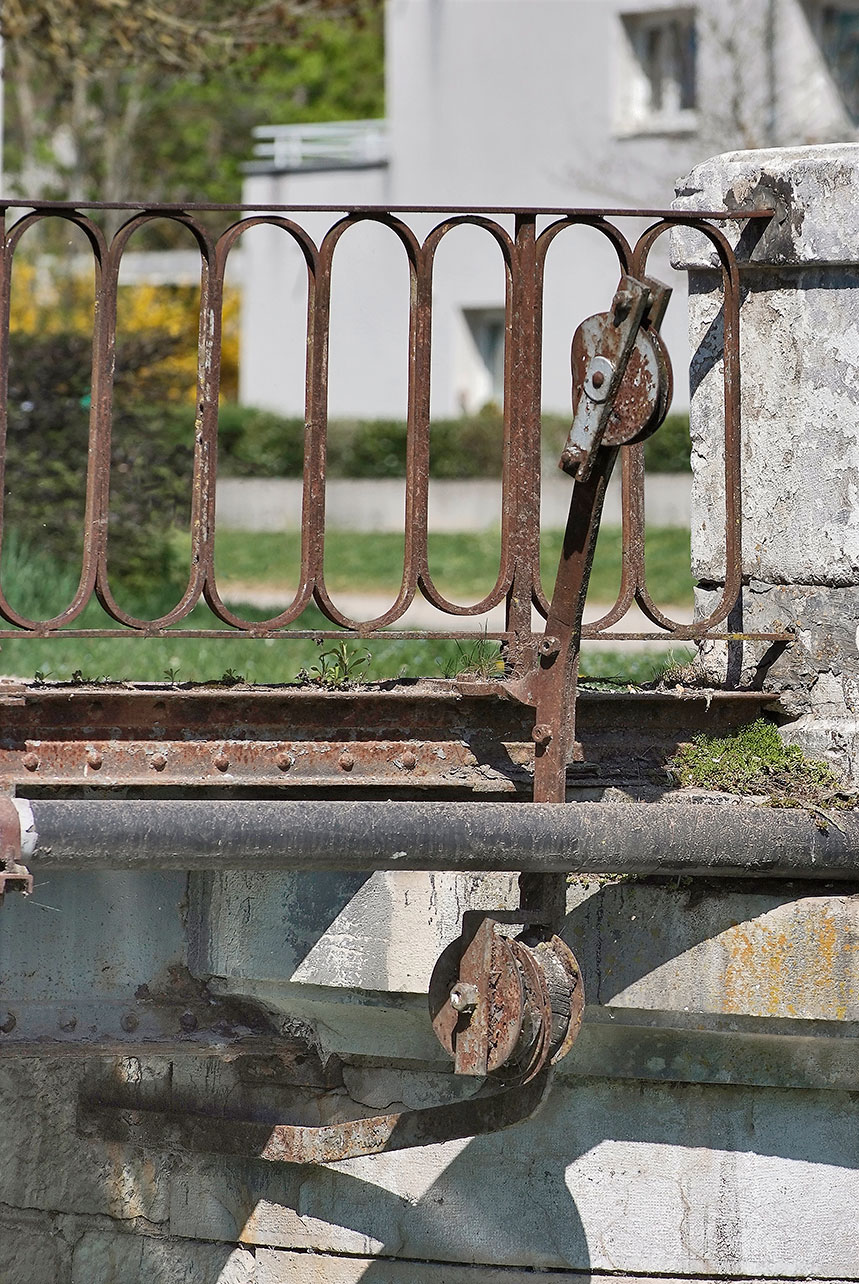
(506, 1005)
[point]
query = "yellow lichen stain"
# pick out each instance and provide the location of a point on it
(793, 961)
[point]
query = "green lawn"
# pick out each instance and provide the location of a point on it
(465, 567)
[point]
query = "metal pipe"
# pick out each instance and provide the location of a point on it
(671, 838)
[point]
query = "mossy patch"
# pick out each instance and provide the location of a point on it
(756, 761)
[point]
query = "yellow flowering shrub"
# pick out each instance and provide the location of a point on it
(46, 302)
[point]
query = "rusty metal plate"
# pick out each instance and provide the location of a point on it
(438, 735)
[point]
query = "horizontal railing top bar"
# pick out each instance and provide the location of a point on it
(677, 216)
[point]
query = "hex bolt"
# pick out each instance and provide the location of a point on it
(542, 734)
(549, 645)
(188, 1022)
(67, 1021)
(158, 761)
(347, 762)
(8, 1022)
(130, 1022)
(409, 760)
(284, 761)
(94, 759)
(31, 761)
(222, 762)
(464, 996)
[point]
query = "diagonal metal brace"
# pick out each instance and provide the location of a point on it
(174, 1130)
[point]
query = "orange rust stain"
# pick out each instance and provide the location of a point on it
(794, 963)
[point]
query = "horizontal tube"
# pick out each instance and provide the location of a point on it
(726, 840)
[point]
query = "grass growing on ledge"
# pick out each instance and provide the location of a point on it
(756, 761)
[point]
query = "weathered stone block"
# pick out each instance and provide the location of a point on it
(31, 1249)
(104, 1258)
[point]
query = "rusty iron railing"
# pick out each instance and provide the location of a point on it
(518, 584)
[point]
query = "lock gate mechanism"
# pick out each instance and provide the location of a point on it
(506, 998)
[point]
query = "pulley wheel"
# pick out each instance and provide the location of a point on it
(644, 394)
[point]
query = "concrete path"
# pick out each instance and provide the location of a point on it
(274, 504)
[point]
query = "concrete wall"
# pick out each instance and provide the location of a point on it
(702, 1127)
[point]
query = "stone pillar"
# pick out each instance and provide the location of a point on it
(799, 337)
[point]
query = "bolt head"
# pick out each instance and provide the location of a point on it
(542, 734)
(67, 1021)
(409, 760)
(222, 762)
(31, 761)
(158, 761)
(8, 1021)
(598, 378)
(464, 996)
(94, 759)
(130, 1022)
(347, 762)
(284, 761)
(188, 1022)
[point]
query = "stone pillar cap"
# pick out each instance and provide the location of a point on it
(815, 191)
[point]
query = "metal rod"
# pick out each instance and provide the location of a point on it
(166, 207)
(672, 838)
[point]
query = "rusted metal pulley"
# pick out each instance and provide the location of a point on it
(504, 1005)
(622, 382)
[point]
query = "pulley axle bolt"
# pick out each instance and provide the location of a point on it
(464, 996)
(542, 734)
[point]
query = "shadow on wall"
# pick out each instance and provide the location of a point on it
(665, 1176)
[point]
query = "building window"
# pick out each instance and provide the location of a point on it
(839, 40)
(485, 381)
(657, 81)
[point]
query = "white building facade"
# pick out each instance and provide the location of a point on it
(539, 103)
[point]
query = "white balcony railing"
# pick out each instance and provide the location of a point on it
(328, 145)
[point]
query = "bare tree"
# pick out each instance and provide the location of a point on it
(79, 73)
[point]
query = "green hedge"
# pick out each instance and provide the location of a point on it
(258, 443)
(48, 412)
